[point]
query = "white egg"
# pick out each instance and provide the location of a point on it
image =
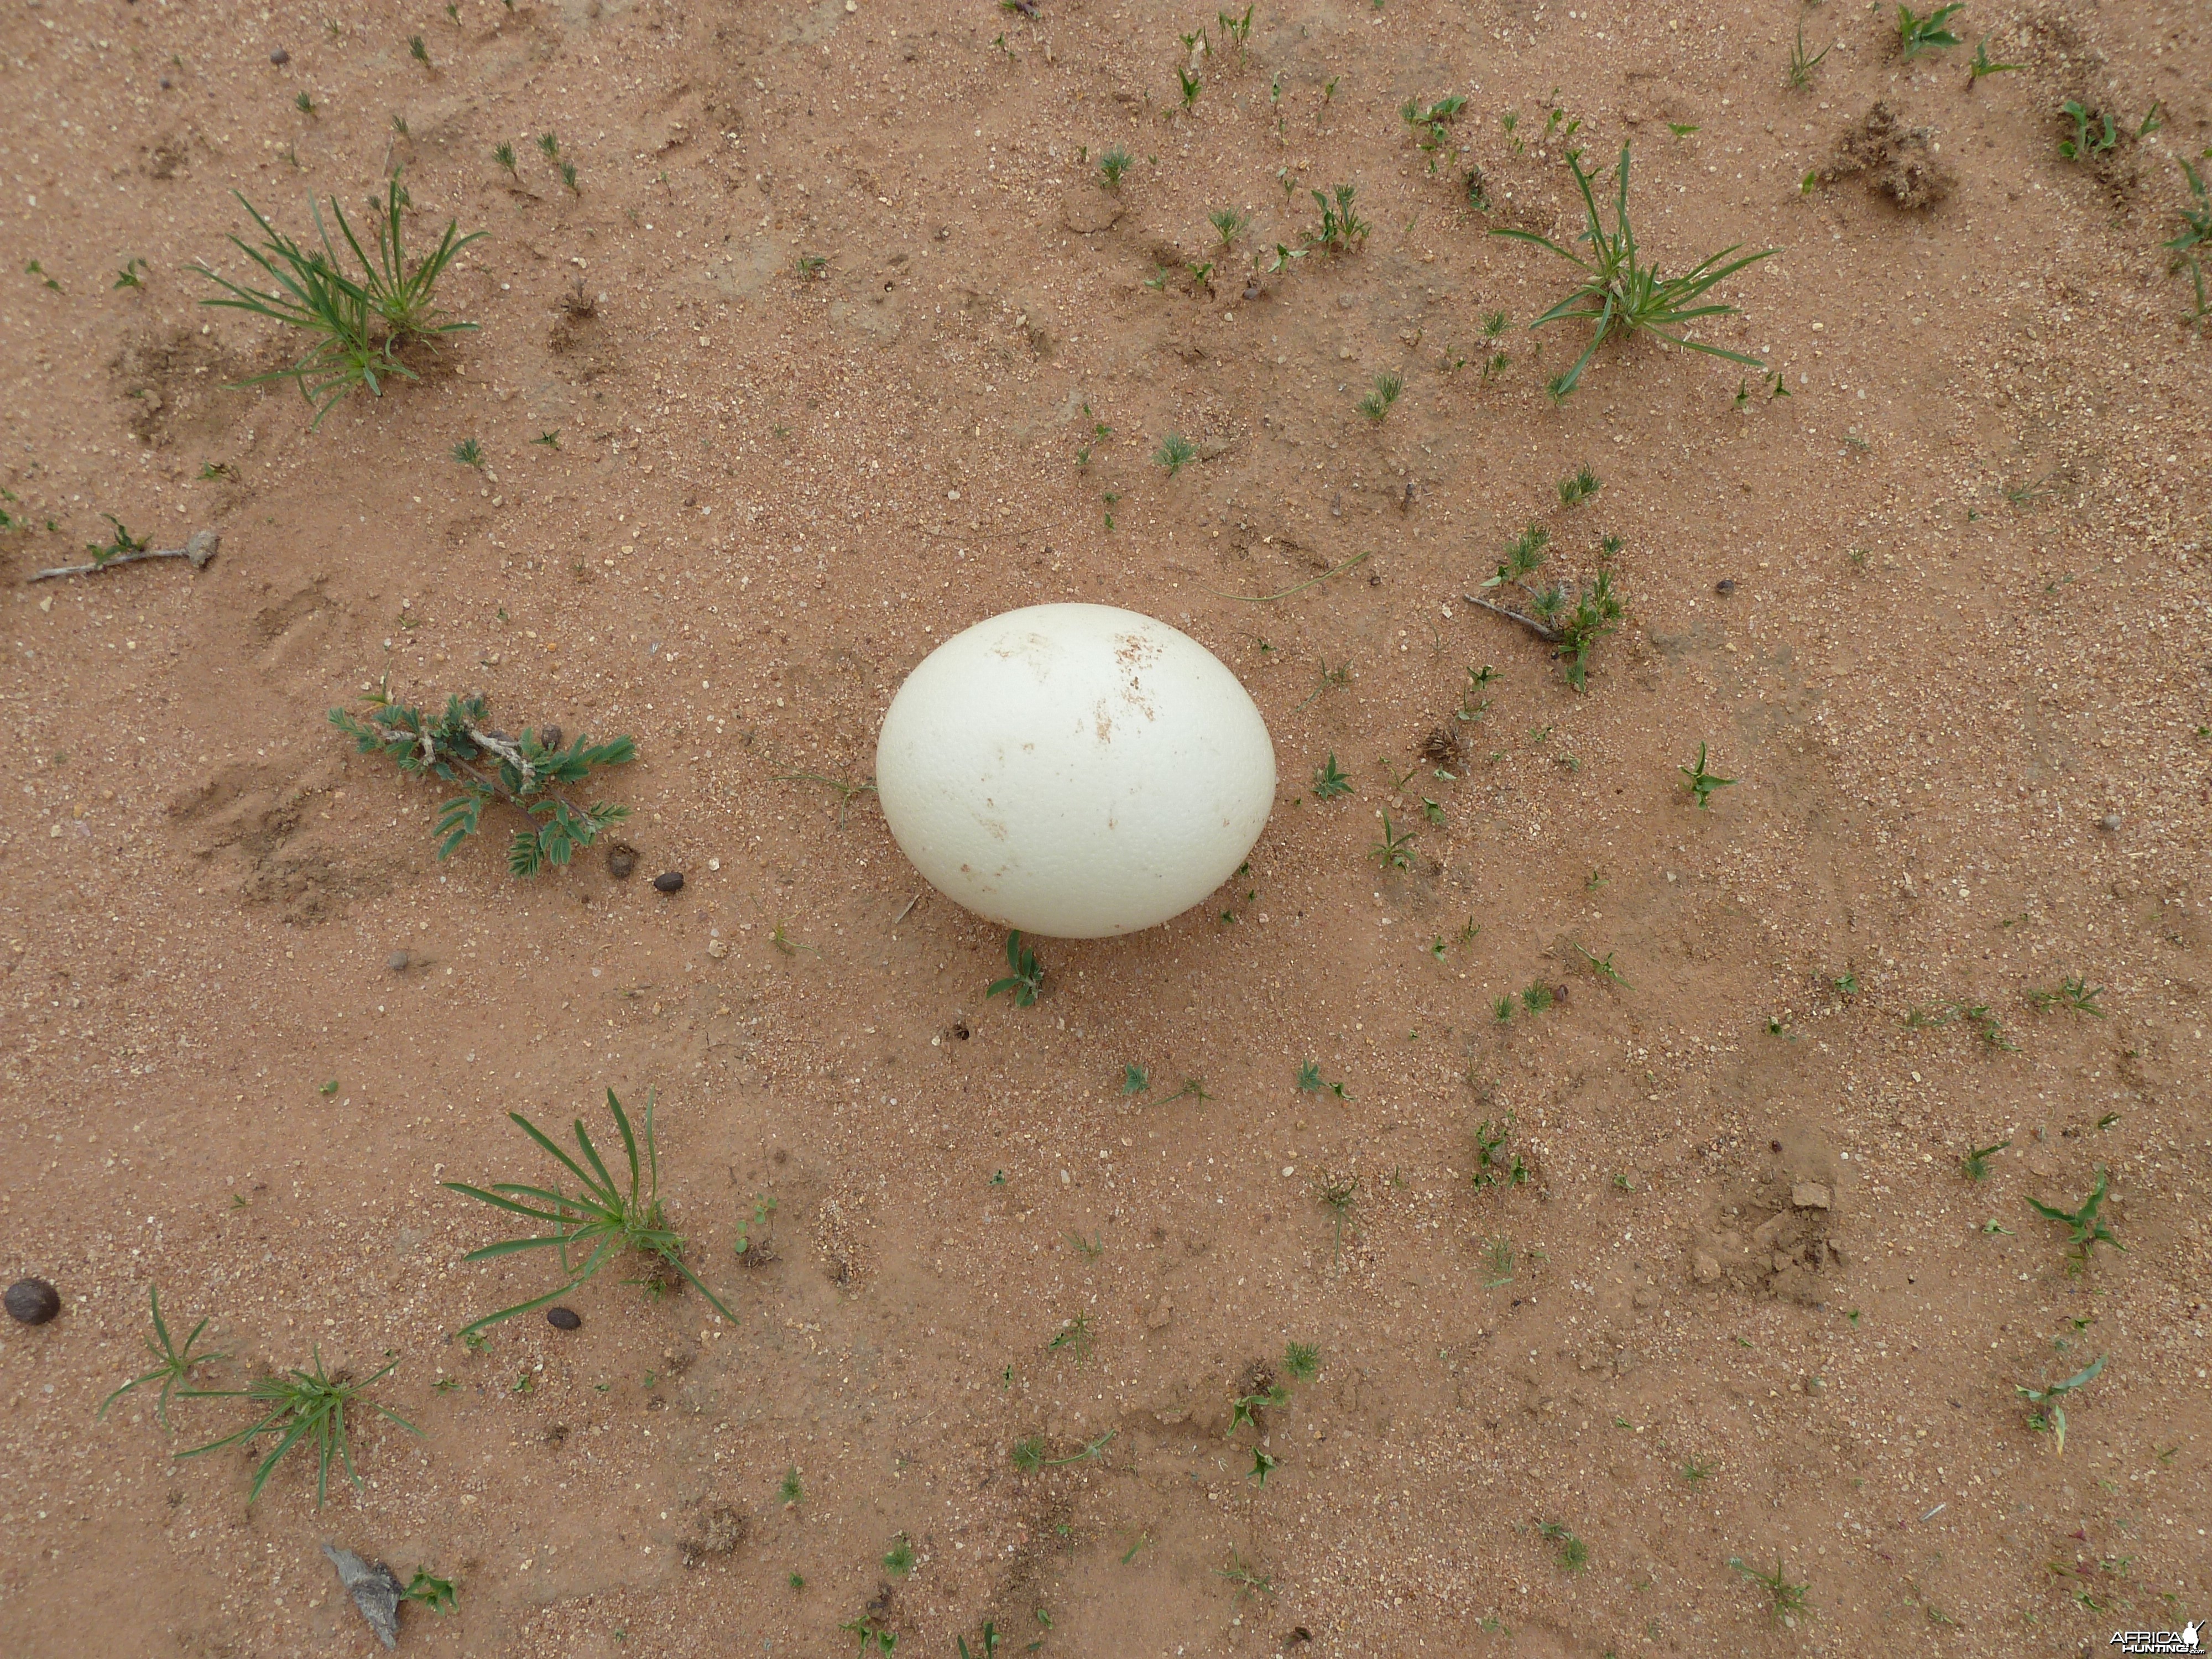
(1074, 770)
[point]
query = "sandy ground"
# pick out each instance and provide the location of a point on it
(1941, 614)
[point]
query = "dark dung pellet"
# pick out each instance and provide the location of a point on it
(671, 881)
(564, 1319)
(280, 56)
(33, 1301)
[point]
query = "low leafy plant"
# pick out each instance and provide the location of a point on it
(1073, 1338)
(1191, 88)
(1578, 486)
(1572, 623)
(1499, 1258)
(470, 452)
(1394, 851)
(417, 51)
(1302, 1361)
(2196, 234)
(2046, 1415)
(426, 1589)
(1024, 975)
(1495, 1163)
(503, 153)
(2086, 1228)
(1431, 124)
(1135, 1080)
(1029, 1454)
(898, 1560)
(1917, 34)
(1622, 295)
(117, 544)
(1176, 453)
(304, 1408)
(1786, 1601)
(2094, 134)
(1376, 404)
(568, 179)
(1573, 1554)
(1975, 1165)
(172, 1366)
(788, 1492)
(129, 276)
(1341, 229)
(2074, 992)
(1702, 783)
(460, 747)
(594, 1227)
(1328, 781)
(1112, 165)
(1982, 65)
(1801, 65)
(1228, 224)
(358, 325)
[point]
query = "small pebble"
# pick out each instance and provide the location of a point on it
(622, 860)
(165, 83)
(33, 1301)
(280, 56)
(564, 1319)
(1724, 586)
(2109, 822)
(398, 961)
(1252, 292)
(670, 881)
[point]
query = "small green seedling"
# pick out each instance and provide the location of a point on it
(1572, 629)
(1494, 1166)
(1578, 486)
(2089, 137)
(459, 747)
(1328, 781)
(35, 269)
(1376, 404)
(1786, 1601)
(426, 1589)
(2195, 233)
(1264, 1464)
(1431, 125)
(129, 276)
(1499, 1256)
(594, 1227)
(1975, 1165)
(1622, 295)
(1701, 783)
(1393, 851)
(1135, 1080)
(172, 1365)
(568, 179)
(1802, 66)
(788, 1492)
(990, 1638)
(1982, 65)
(1240, 1573)
(1311, 1081)
(1694, 1470)
(2088, 1228)
(1917, 34)
(1602, 966)
(751, 1246)
(1176, 453)
(504, 155)
(899, 1559)
(846, 793)
(1245, 1410)
(1573, 1554)
(417, 51)
(1191, 88)
(1337, 1194)
(1228, 224)
(880, 1637)
(1112, 165)
(549, 146)
(550, 439)
(120, 542)
(305, 103)
(358, 325)
(2046, 1415)
(1341, 229)
(470, 452)
(1074, 1339)
(1302, 1361)
(303, 1408)
(1024, 975)
(2074, 992)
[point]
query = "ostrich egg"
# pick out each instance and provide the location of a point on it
(1074, 770)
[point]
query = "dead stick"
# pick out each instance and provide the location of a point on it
(1550, 636)
(200, 548)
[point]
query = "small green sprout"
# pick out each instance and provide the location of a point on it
(2088, 1228)
(1701, 783)
(1176, 453)
(1112, 165)
(1975, 1165)
(1025, 977)
(1917, 34)
(2046, 1415)
(1328, 781)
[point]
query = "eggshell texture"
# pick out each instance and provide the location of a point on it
(1074, 770)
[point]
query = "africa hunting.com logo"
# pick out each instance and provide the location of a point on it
(2184, 1640)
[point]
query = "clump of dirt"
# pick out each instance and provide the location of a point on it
(1773, 1240)
(1442, 747)
(1897, 160)
(721, 1531)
